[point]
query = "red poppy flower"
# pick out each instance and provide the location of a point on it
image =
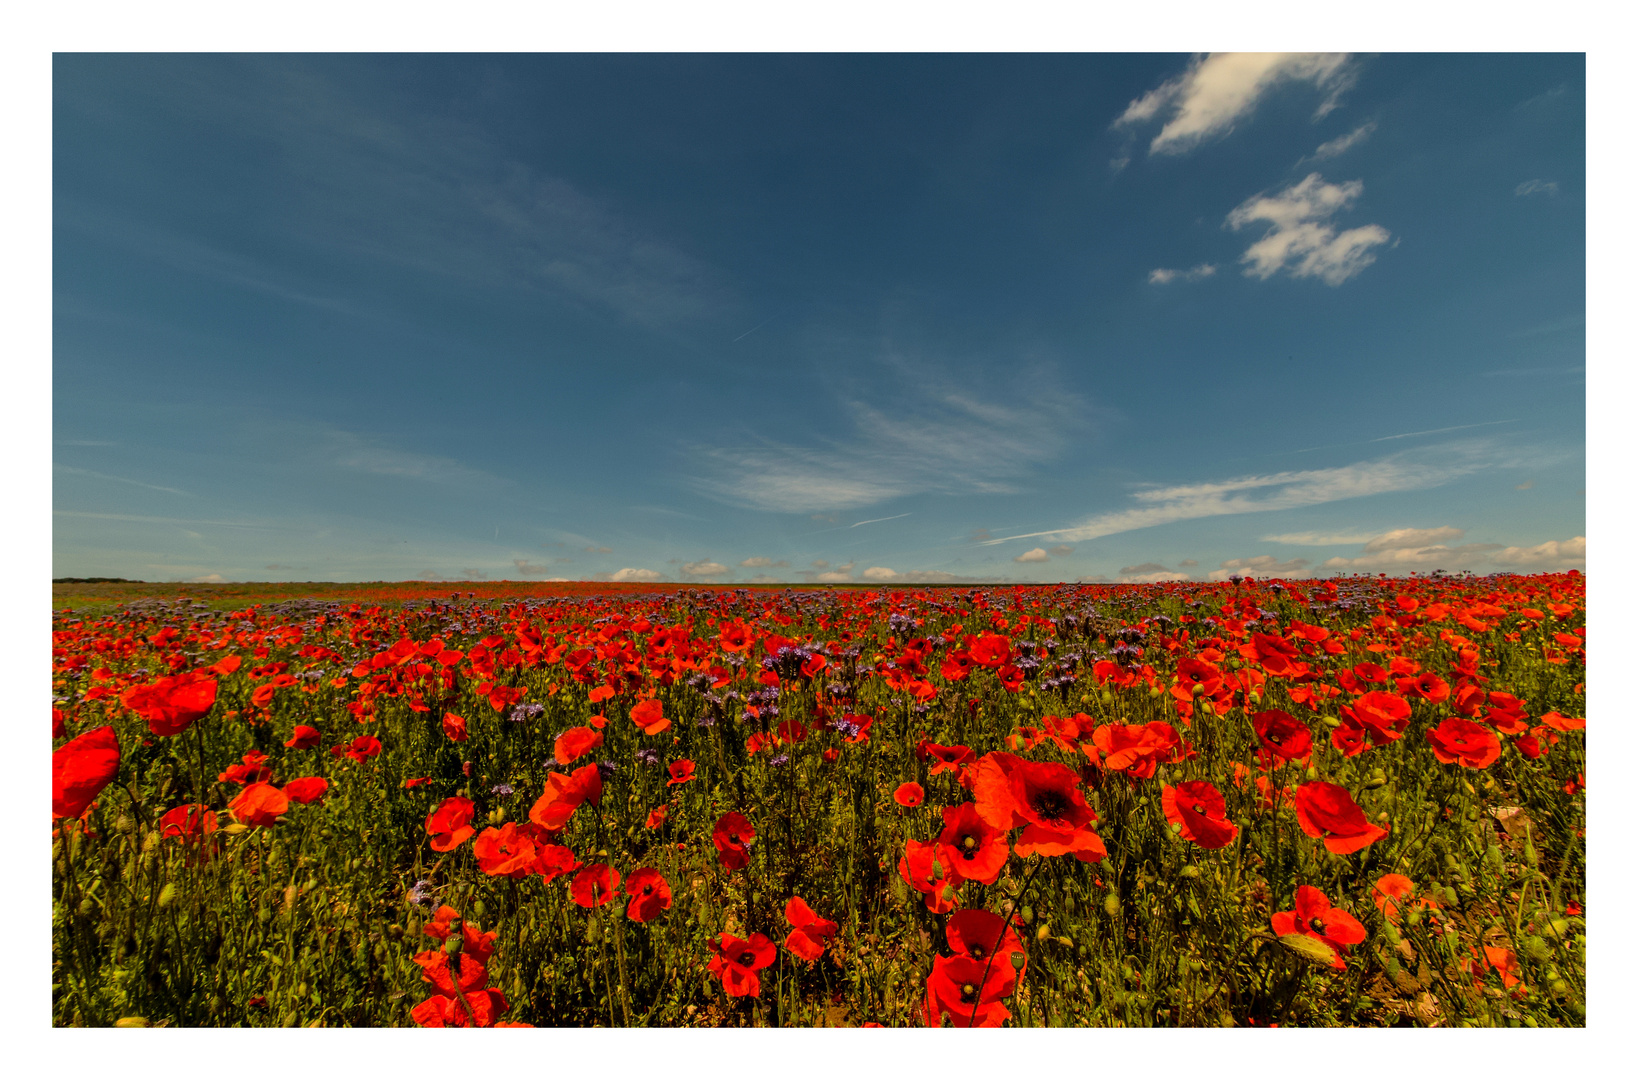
(944, 758)
(576, 743)
(1392, 893)
(445, 1011)
(454, 727)
(304, 738)
(647, 715)
(505, 852)
(1427, 686)
(970, 990)
(1563, 723)
(1466, 741)
(80, 769)
(1134, 749)
(552, 860)
(365, 746)
(1199, 809)
(189, 824)
(468, 978)
(977, 934)
(731, 834)
(594, 885)
(1505, 963)
(990, 650)
(927, 869)
(656, 817)
(564, 794)
(249, 771)
(173, 703)
(975, 849)
(1012, 792)
(306, 789)
(450, 824)
(416, 781)
(259, 805)
(1282, 737)
(909, 795)
(737, 962)
(1314, 917)
(1328, 812)
(809, 932)
(681, 772)
(1381, 715)
(650, 894)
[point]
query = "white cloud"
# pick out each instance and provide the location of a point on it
(1301, 239)
(949, 442)
(1258, 566)
(1032, 555)
(1188, 564)
(1343, 143)
(1315, 539)
(208, 579)
(1164, 277)
(634, 574)
(362, 454)
(1568, 554)
(704, 568)
(1152, 577)
(529, 569)
(1219, 90)
(1061, 550)
(761, 561)
(879, 573)
(834, 576)
(1532, 187)
(1142, 568)
(1283, 491)
(1403, 550)
(1412, 538)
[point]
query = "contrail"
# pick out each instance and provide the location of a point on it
(1439, 431)
(755, 328)
(873, 521)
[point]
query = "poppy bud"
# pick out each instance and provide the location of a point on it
(948, 895)
(132, 1022)
(1028, 914)
(1313, 773)
(166, 895)
(1559, 927)
(1536, 949)
(1413, 917)
(1529, 852)
(1111, 904)
(1042, 933)
(1207, 709)
(1196, 690)
(87, 906)
(1330, 721)
(1190, 871)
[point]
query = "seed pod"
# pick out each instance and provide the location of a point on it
(452, 945)
(1042, 933)
(478, 908)
(1017, 961)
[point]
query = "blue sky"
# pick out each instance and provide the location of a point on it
(824, 317)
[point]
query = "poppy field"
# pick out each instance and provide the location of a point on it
(1348, 802)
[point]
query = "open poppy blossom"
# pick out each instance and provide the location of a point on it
(732, 834)
(190, 824)
(1314, 917)
(251, 770)
(1327, 812)
(173, 703)
(909, 795)
(508, 851)
(80, 769)
(259, 805)
(1393, 893)
(808, 931)
(944, 758)
(1198, 809)
(737, 961)
(304, 738)
(306, 789)
(680, 772)
(927, 869)
(656, 816)
(454, 727)
(650, 894)
(1041, 796)
(363, 748)
(564, 794)
(450, 824)
(594, 885)
(576, 743)
(1281, 738)
(1134, 749)
(648, 715)
(975, 850)
(1457, 740)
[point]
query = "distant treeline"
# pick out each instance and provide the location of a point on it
(96, 581)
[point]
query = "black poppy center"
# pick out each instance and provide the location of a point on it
(1050, 804)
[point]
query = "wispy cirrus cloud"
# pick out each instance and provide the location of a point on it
(943, 440)
(1163, 276)
(1301, 240)
(88, 473)
(1274, 491)
(1403, 550)
(1219, 90)
(1342, 143)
